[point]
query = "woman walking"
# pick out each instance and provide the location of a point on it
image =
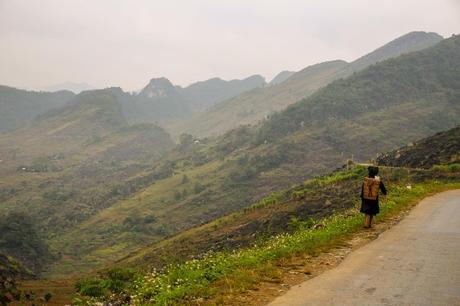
(370, 195)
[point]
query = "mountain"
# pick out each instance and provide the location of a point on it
(413, 41)
(253, 106)
(20, 107)
(205, 94)
(159, 101)
(281, 77)
(441, 148)
(11, 271)
(415, 78)
(256, 104)
(87, 116)
(382, 107)
(22, 241)
(303, 221)
(69, 164)
(69, 86)
(287, 210)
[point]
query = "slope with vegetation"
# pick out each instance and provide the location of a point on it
(70, 86)
(253, 106)
(247, 247)
(21, 239)
(161, 101)
(20, 107)
(286, 211)
(202, 95)
(10, 272)
(281, 77)
(441, 148)
(385, 106)
(69, 164)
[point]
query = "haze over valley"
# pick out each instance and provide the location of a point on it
(199, 179)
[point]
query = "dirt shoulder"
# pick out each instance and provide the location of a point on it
(298, 269)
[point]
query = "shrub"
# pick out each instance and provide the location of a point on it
(92, 287)
(198, 188)
(48, 296)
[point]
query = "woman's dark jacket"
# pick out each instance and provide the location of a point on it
(371, 207)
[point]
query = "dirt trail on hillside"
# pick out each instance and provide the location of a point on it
(416, 262)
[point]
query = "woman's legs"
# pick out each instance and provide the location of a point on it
(367, 220)
(370, 220)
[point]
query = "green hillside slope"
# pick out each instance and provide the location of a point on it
(410, 42)
(281, 77)
(20, 107)
(286, 211)
(71, 163)
(442, 148)
(202, 95)
(387, 105)
(249, 246)
(426, 77)
(253, 106)
(161, 101)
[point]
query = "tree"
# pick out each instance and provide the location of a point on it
(185, 179)
(20, 239)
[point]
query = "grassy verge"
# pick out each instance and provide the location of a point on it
(195, 280)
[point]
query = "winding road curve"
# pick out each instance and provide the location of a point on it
(416, 262)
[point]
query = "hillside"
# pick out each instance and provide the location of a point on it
(22, 241)
(253, 106)
(161, 101)
(89, 115)
(69, 164)
(202, 95)
(426, 77)
(70, 86)
(284, 233)
(286, 211)
(20, 107)
(410, 42)
(281, 77)
(442, 148)
(385, 106)
(10, 272)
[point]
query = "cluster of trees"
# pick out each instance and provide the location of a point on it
(138, 223)
(21, 239)
(10, 272)
(391, 82)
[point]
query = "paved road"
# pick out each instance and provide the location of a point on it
(417, 262)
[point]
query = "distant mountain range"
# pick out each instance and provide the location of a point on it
(386, 105)
(210, 107)
(100, 183)
(159, 101)
(76, 88)
(20, 107)
(281, 77)
(253, 106)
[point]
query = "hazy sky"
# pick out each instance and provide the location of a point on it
(126, 43)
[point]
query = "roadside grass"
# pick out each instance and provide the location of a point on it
(214, 275)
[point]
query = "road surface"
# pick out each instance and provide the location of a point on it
(416, 262)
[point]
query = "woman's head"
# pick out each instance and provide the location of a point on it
(373, 171)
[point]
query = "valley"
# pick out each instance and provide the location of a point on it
(109, 179)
